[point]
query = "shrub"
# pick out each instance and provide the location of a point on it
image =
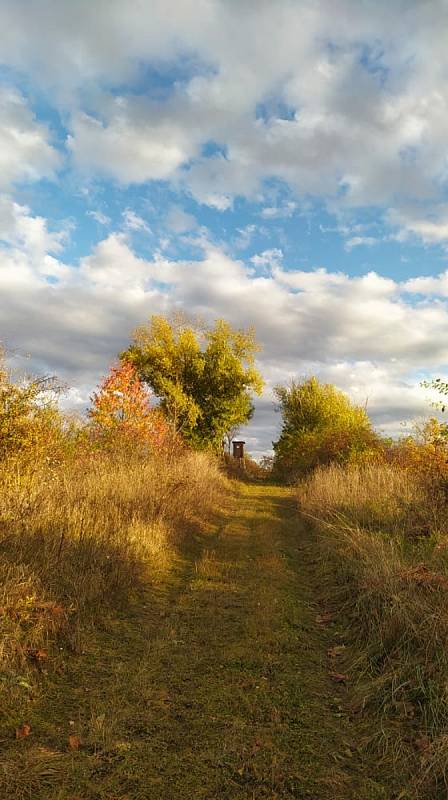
(29, 417)
(320, 425)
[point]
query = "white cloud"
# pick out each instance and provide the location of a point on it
(99, 217)
(245, 235)
(133, 222)
(268, 258)
(279, 212)
(367, 334)
(360, 241)
(179, 221)
(354, 98)
(20, 229)
(431, 228)
(435, 285)
(133, 143)
(25, 151)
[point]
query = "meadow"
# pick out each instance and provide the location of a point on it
(381, 537)
(90, 514)
(173, 623)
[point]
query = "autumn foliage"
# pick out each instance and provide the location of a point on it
(320, 425)
(123, 406)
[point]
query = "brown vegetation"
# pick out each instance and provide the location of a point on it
(83, 522)
(382, 529)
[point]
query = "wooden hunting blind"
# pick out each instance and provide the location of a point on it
(238, 449)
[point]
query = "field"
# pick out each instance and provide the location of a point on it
(381, 533)
(175, 627)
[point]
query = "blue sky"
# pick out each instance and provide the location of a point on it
(282, 164)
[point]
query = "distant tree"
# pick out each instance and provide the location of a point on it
(204, 378)
(320, 425)
(123, 405)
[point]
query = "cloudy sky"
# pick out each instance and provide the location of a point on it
(282, 163)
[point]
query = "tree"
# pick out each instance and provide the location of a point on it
(123, 405)
(320, 425)
(204, 378)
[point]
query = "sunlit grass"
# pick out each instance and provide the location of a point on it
(78, 539)
(383, 530)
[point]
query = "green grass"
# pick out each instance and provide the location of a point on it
(212, 683)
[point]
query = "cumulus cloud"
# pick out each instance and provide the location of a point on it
(20, 229)
(25, 150)
(179, 221)
(268, 258)
(436, 285)
(134, 143)
(367, 334)
(431, 227)
(342, 100)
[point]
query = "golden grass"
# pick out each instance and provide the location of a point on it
(77, 538)
(214, 686)
(383, 531)
(373, 496)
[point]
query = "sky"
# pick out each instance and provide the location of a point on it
(279, 163)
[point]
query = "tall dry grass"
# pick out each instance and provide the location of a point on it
(78, 535)
(383, 531)
(375, 496)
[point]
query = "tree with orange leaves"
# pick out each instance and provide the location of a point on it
(123, 405)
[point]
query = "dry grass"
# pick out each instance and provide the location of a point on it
(376, 497)
(215, 686)
(77, 538)
(382, 530)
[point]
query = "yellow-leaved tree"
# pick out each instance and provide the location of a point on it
(319, 425)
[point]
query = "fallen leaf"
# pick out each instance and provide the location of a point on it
(74, 742)
(23, 731)
(338, 677)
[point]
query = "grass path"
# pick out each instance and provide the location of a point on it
(215, 685)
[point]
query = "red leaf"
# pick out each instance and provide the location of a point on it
(23, 730)
(74, 742)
